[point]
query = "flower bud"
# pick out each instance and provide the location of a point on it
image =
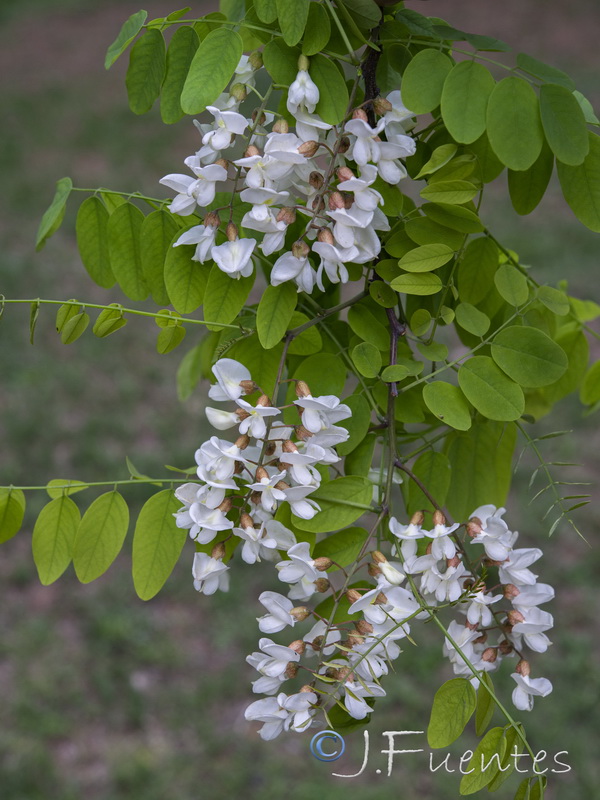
(381, 599)
(514, 617)
(523, 668)
(489, 562)
(218, 551)
(255, 498)
(306, 689)
(481, 639)
(381, 106)
(281, 485)
(226, 505)
(260, 120)
(239, 91)
(453, 562)
(289, 447)
(300, 613)
(302, 389)
(255, 59)
(378, 557)
(348, 198)
(261, 474)
(322, 585)
(364, 627)
(222, 162)
(336, 201)
(212, 219)
(325, 235)
(344, 145)
(353, 595)
(331, 672)
(270, 449)
(246, 520)
(360, 113)
(249, 387)
(287, 215)
(241, 414)
(264, 401)
(428, 549)
(474, 527)
(309, 148)
(438, 518)
(317, 642)
(318, 204)
(281, 126)
(298, 646)
(322, 563)
(472, 626)
(345, 174)
(373, 570)
(238, 467)
(354, 638)
(418, 518)
(303, 63)
(232, 232)
(315, 179)
(300, 249)
(490, 654)
(291, 670)
(510, 591)
(344, 674)
(251, 150)
(242, 441)
(505, 647)
(301, 432)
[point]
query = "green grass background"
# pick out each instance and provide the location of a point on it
(108, 698)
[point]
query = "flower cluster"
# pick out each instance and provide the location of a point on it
(279, 173)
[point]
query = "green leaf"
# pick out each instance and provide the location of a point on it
(211, 70)
(394, 373)
(54, 538)
(336, 499)
(426, 258)
(357, 425)
(367, 359)
(91, 228)
(292, 16)
(185, 280)
(590, 388)
(365, 13)
(507, 764)
(281, 61)
(453, 706)
(324, 373)
(581, 186)
(333, 92)
(415, 22)
(554, 299)
(423, 80)
(587, 108)
(455, 217)
(383, 294)
(180, 55)
(423, 230)
(523, 792)
(472, 320)
(263, 364)
(130, 29)
(547, 73)
(485, 704)
(225, 296)
(158, 231)
(420, 322)
(109, 321)
(419, 284)
(435, 351)
(489, 165)
(266, 10)
(451, 192)
(488, 754)
(390, 67)
(64, 486)
(492, 393)
(448, 404)
(169, 338)
(529, 356)
(564, 124)
(528, 186)
(440, 156)
(124, 228)
(309, 341)
(157, 544)
(576, 346)
(482, 464)
(475, 275)
(74, 327)
(189, 372)
(342, 547)
(359, 461)
(514, 127)
(433, 470)
(318, 30)
(55, 212)
(365, 326)
(147, 62)
(275, 312)
(12, 510)
(465, 96)
(100, 536)
(512, 285)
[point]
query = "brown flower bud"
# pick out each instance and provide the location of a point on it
(505, 647)
(282, 485)
(300, 613)
(238, 467)
(218, 551)
(373, 570)
(255, 59)
(301, 432)
(222, 162)
(354, 638)
(438, 518)
(261, 473)
(302, 390)
(281, 126)
(344, 674)
(510, 591)
(472, 626)
(331, 672)
(298, 646)
(322, 585)
(353, 595)
(348, 198)
(270, 449)
(212, 219)
(344, 145)
(226, 505)
(289, 447)
(322, 563)
(248, 386)
(428, 549)
(381, 599)
(453, 562)
(381, 106)
(231, 231)
(318, 204)
(364, 627)
(239, 91)
(251, 150)
(246, 520)
(523, 668)
(335, 201)
(264, 401)
(360, 113)
(242, 441)
(490, 654)
(481, 639)
(306, 689)
(287, 215)
(291, 670)
(315, 179)
(255, 498)
(378, 557)
(489, 562)
(345, 174)
(474, 527)
(418, 518)
(241, 414)
(300, 249)
(260, 120)
(309, 148)
(514, 617)
(325, 235)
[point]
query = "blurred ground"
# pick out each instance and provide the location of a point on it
(105, 697)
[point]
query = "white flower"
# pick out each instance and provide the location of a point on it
(262, 199)
(316, 633)
(532, 629)
(447, 586)
(302, 708)
(333, 261)
(303, 93)
(235, 258)
(478, 612)
(218, 457)
(319, 413)
(365, 148)
(530, 596)
(527, 688)
(283, 148)
(269, 493)
(207, 522)
(257, 542)
(221, 420)
(367, 242)
(388, 165)
(201, 235)
(369, 659)
(327, 439)
(397, 116)
(209, 574)
(365, 198)
(355, 694)
(463, 638)
(274, 231)
(194, 191)
(289, 267)
(301, 507)
(278, 614)
(300, 566)
(300, 467)
(244, 72)
(226, 125)
(347, 221)
(409, 534)
(515, 569)
(271, 711)
(254, 424)
(273, 659)
(391, 574)
(229, 374)
(442, 546)
(495, 536)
